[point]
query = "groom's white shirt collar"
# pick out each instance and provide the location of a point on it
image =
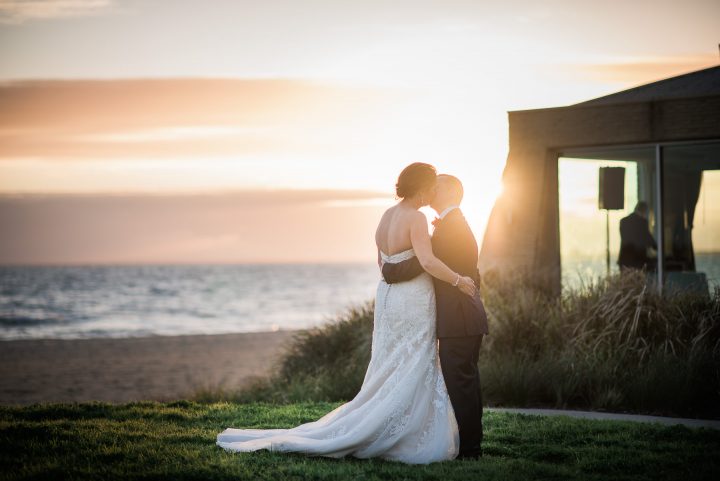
(447, 211)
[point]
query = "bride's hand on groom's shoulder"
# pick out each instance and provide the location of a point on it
(467, 286)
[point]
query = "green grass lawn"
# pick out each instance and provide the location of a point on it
(151, 440)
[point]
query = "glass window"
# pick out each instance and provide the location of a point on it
(691, 214)
(583, 224)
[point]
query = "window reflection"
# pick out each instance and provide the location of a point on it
(691, 214)
(690, 207)
(583, 226)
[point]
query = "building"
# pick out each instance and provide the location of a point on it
(667, 131)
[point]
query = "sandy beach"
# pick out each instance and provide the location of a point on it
(130, 369)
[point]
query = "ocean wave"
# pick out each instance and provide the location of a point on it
(128, 301)
(24, 321)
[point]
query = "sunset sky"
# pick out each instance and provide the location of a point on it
(274, 131)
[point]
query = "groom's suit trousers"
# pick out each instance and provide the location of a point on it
(459, 363)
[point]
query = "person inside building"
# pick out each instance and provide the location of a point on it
(635, 239)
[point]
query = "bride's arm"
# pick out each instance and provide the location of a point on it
(422, 246)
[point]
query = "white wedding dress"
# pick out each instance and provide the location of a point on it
(402, 411)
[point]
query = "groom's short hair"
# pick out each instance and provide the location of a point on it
(456, 186)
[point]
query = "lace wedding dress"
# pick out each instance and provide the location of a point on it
(402, 411)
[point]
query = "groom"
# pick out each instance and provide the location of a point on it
(461, 319)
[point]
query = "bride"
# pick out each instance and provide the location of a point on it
(403, 411)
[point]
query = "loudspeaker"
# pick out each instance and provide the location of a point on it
(611, 192)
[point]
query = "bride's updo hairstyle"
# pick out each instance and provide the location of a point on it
(415, 178)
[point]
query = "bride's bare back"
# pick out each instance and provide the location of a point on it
(393, 231)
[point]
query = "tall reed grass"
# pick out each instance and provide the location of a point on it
(611, 344)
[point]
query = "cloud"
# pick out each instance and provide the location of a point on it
(171, 133)
(181, 117)
(240, 226)
(638, 70)
(20, 11)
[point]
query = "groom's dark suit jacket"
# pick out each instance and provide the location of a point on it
(453, 242)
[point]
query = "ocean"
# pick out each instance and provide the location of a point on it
(73, 302)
